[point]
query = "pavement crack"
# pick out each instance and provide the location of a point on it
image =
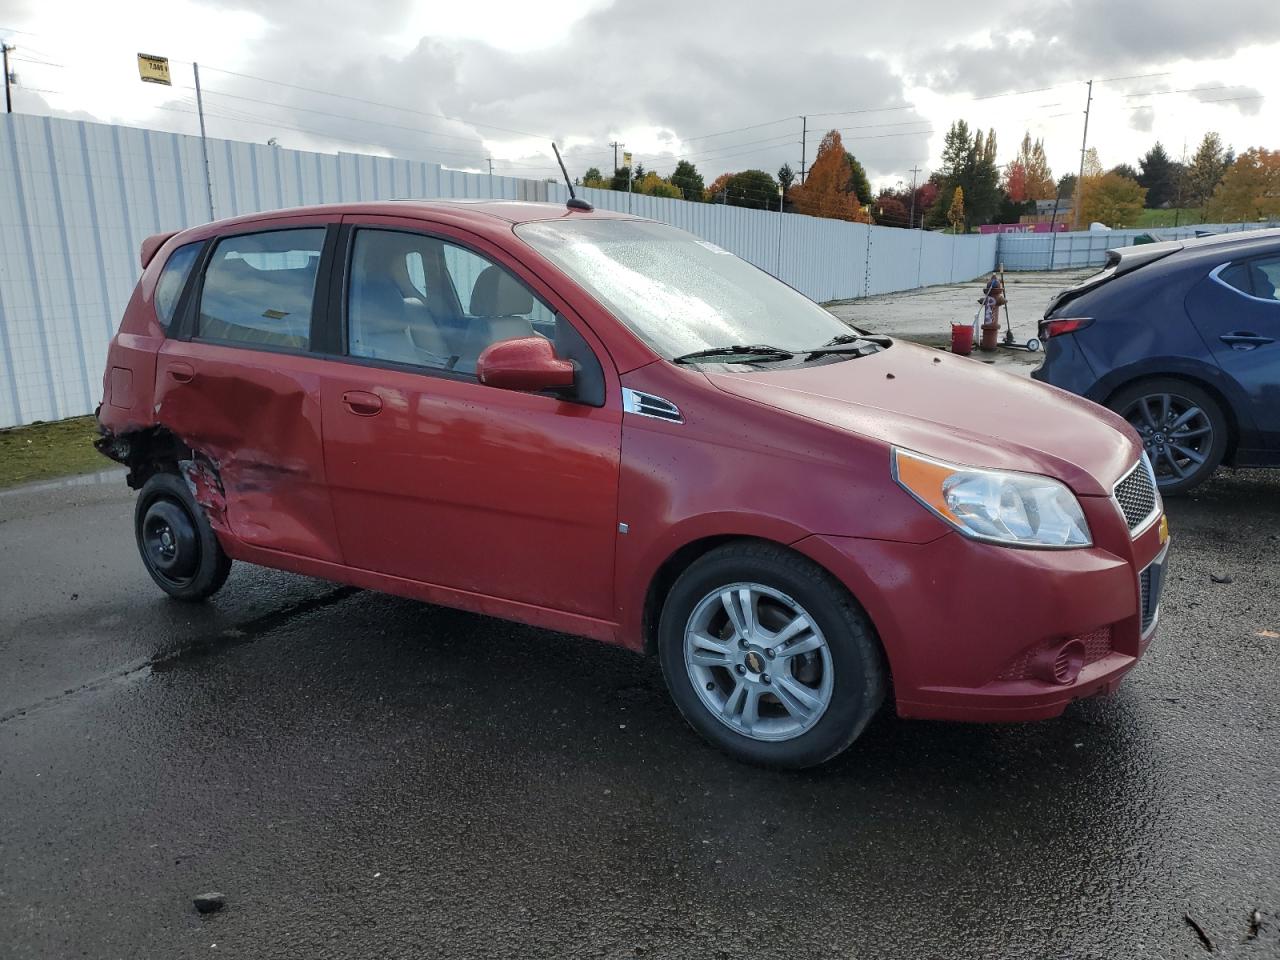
(235, 636)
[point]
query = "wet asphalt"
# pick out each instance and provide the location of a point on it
(363, 776)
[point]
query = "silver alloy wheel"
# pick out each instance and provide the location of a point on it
(758, 661)
(1176, 433)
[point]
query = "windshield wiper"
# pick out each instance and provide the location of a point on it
(738, 353)
(848, 343)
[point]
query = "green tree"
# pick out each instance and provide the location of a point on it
(1125, 170)
(859, 183)
(621, 178)
(968, 163)
(688, 180)
(593, 178)
(786, 177)
(1158, 176)
(955, 212)
(752, 188)
(1206, 170)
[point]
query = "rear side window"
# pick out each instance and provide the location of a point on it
(259, 289)
(1258, 278)
(173, 278)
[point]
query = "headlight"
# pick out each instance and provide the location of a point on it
(1021, 509)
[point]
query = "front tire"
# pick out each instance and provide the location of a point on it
(768, 656)
(1182, 427)
(177, 545)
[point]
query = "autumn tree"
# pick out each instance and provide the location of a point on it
(688, 180)
(825, 190)
(593, 178)
(1206, 170)
(889, 210)
(655, 186)
(1250, 189)
(1092, 168)
(715, 193)
(1110, 199)
(955, 212)
(1027, 176)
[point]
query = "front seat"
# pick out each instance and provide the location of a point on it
(499, 307)
(389, 321)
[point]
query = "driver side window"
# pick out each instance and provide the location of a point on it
(420, 300)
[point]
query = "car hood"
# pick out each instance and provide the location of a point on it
(955, 409)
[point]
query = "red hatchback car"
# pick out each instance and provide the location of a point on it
(602, 425)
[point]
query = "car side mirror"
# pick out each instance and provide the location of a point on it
(526, 363)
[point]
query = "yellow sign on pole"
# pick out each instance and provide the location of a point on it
(626, 159)
(153, 69)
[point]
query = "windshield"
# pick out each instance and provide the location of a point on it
(678, 293)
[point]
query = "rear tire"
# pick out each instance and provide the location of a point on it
(176, 542)
(1182, 427)
(769, 657)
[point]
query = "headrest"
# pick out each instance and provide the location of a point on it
(498, 294)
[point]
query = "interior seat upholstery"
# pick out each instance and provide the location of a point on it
(389, 320)
(498, 306)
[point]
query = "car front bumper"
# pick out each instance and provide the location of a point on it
(962, 621)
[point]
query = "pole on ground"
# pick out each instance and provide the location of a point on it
(804, 138)
(1084, 144)
(911, 220)
(204, 143)
(8, 94)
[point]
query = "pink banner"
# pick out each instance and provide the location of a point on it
(1058, 227)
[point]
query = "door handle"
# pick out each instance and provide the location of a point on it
(1245, 340)
(182, 372)
(362, 403)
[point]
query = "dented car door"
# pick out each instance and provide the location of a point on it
(238, 385)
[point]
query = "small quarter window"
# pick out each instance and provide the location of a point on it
(1258, 278)
(259, 288)
(173, 279)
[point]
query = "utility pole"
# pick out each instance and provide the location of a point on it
(911, 220)
(204, 143)
(804, 137)
(489, 160)
(615, 146)
(8, 94)
(1084, 143)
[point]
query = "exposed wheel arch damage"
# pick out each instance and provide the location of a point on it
(149, 451)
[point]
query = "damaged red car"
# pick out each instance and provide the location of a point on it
(603, 425)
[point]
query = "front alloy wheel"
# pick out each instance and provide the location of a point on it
(758, 661)
(768, 656)
(1182, 430)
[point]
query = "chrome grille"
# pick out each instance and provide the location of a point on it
(1136, 495)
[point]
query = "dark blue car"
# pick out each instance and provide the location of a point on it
(1182, 339)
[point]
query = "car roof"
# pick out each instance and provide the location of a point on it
(458, 211)
(1128, 259)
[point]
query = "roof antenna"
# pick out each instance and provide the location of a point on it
(573, 203)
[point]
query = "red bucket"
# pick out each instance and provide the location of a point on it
(962, 338)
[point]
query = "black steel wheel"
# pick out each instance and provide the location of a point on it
(1182, 428)
(177, 545)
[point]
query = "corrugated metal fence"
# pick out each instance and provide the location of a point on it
(77, 199)
(1088, 248)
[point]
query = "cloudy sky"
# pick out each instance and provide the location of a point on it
(720, 82)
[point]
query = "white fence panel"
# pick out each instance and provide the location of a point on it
(77, 200)
(1088, 248)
